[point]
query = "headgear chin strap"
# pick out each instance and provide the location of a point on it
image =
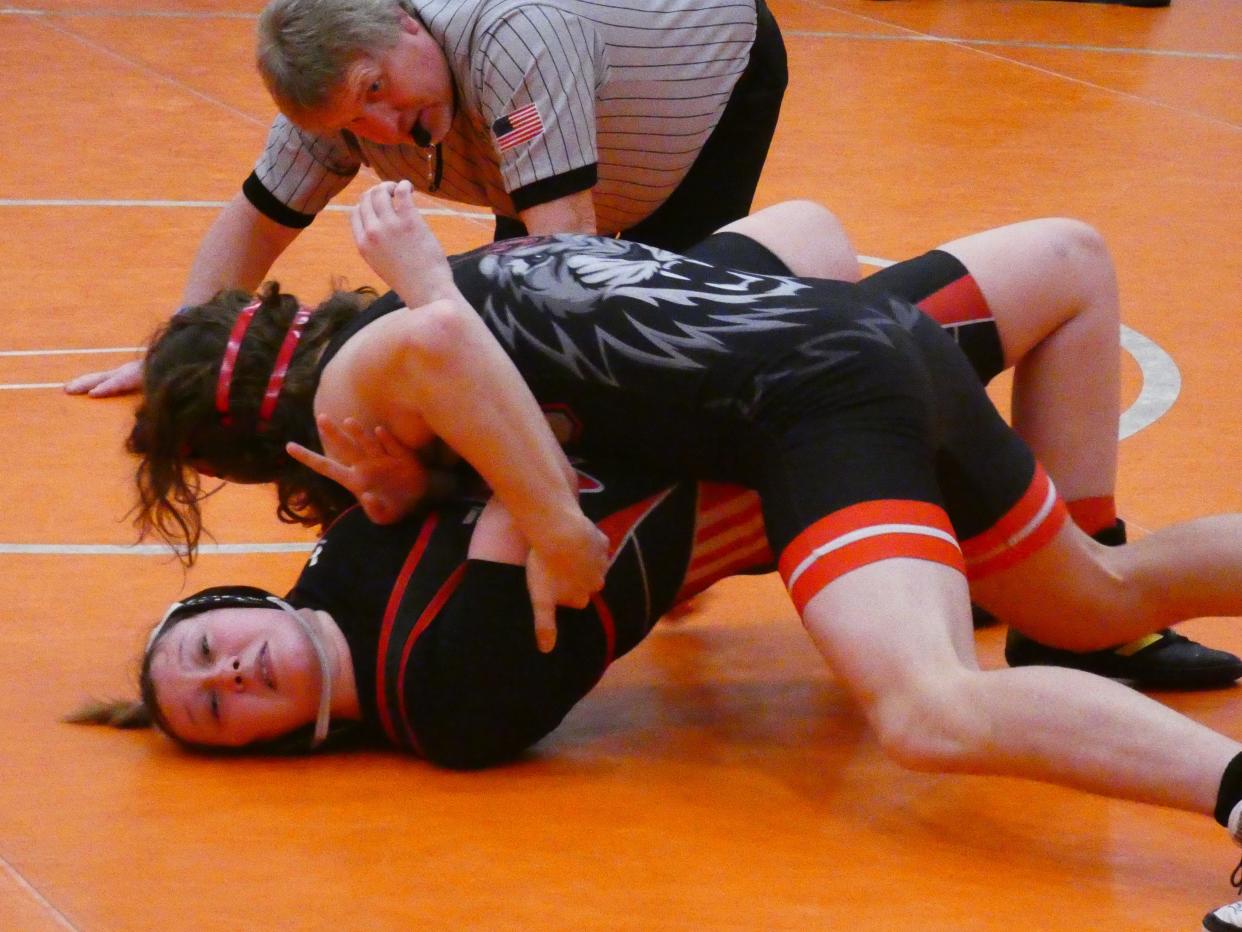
(252, 597)
(280, 369)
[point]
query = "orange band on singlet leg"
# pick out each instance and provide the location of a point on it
(866, 533)
(729, 536)
(1025, 528)
(958, 302)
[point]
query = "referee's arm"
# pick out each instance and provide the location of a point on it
(573, 213)
(237, 251)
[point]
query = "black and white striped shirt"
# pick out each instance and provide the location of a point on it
(627, 92)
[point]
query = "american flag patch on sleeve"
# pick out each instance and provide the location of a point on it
(517, 127)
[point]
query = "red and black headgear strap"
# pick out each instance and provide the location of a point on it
(238, 333)
(280, 369)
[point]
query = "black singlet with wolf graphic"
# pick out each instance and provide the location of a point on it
(818, 394)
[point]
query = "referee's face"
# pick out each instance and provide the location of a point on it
(401, 95)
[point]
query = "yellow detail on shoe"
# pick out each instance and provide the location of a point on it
(1129, 650)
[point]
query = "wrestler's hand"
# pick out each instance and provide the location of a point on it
(569, 578)
(384, 475)
(125, 379)
(396, 242)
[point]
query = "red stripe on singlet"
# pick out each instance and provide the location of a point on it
(744, 555)
(958, 302)
(862, 534)
(425, 619)
(741, 508)
(730, 536)
(619, 526)
(390, 613)
(1025, 528)
(610, 630)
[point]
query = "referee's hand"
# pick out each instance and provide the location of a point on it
(125, 379)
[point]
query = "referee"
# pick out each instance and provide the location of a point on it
(650, 119)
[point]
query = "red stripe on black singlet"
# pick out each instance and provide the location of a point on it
(351, 508)
(425, 619)
(390, 612)
(729, 536)
(959, 302)
(619, 526)
(610, 631)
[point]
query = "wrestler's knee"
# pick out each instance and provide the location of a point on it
(1081, 246)
(835, 256)
(934, 722)
(807, 237)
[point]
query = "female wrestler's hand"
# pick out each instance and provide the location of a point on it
(384, 475)
(569, 577)
(395, 241)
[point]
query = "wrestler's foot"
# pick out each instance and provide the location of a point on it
(1164, 660)
(1229, 917)
(1226, 919)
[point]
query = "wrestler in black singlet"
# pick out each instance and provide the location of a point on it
(443, 647)
(822, 396)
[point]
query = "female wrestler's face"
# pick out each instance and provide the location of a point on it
(235, 676)
(402, 94)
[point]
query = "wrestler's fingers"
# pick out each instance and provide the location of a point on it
(383, 201)
(402, 200)
(390, 444)
(542, 602)
(545, 625)
(335, 436)
(365, 210)
(376, 508)
(362, 439)
(329, 469)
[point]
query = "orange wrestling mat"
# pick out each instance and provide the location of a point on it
(718, 778)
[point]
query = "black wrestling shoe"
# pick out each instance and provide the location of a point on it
(1164, 660)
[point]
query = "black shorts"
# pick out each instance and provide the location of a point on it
(857, 419)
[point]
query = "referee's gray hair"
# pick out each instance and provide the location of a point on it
(306, 47)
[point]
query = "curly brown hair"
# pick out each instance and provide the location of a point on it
(178, 433)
